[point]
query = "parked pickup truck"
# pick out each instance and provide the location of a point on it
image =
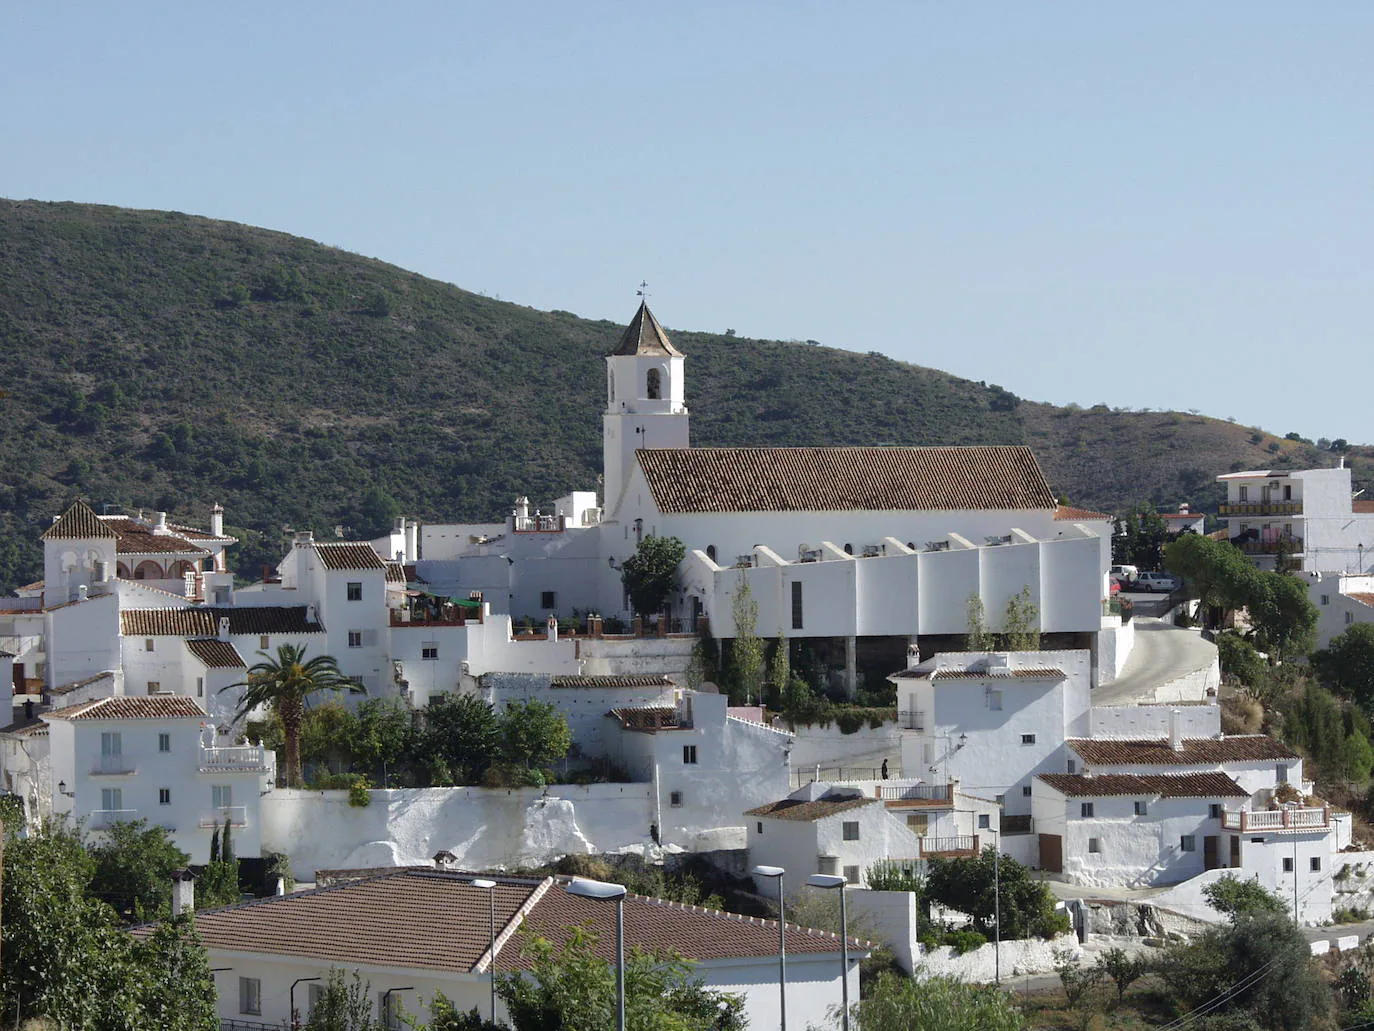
(1157, 582)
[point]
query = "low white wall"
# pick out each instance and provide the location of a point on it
(484, 828)
(1153, 720)
(1029, 956)
(830, 747)
(585, 708)
(891, 917)
(1191, 687)
(1353, 879)
(668, 656)
(1114, 643)
(1187, 898)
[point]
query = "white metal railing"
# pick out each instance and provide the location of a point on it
(1292, 818)
(926, 792)
(237, 815)
(104, 819)
(237, 757)
(115, 763)
(912, 719)
(933, 846)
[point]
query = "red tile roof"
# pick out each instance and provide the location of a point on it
(348, 555)
(645, 336)
(1032, 673)
(1186, 785)
(75, 685)
(1361, 507)
(1362, 598)
(395, 573)
(1078, 515)
(202, 621)
(802, 811)
(615, 680)
(131, 707)
(216, 654)
(816, 479)
(134, 538)
(1196, 751)
(79, 522)
(646, 717)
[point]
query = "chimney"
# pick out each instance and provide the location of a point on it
(522, 507)
(183, 892)
(1176, 730)
(160, 524)
(224, 628)
(1183, 508)
(444, 859)
(412, 541)
(217, 520)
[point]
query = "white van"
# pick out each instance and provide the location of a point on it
(1125, 572)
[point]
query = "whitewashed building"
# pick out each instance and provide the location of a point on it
(1312, 514)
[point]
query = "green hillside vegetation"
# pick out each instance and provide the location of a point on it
(164, 361)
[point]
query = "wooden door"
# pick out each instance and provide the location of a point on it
(1051, 853)
(1209, 852)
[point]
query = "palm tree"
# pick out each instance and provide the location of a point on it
(284, 683)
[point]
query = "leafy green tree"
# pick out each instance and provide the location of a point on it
(282, 684)
(218, 884)
(1217, 573)
(779, 667)
(1240, 663)
(933, 1004)
(344, 1004)
(978, 638)
(573, 989)
(1356, 757)
(444, 1016)
(1123, 970)
(133, 871)
(327, 735)
(746, 651)
(1139, 539)
(967, 885)
(383, 733)
(1076, 979)
(650, 574)
(1258, 966)
(1284, 618)
(1020, 623)
(1347, 664)
(533, 735)
(460, 737)
(1233, 896)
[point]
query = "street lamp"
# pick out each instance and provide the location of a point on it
(490, 886)
(997, 905)
(825, 880)
(777, 872)
(388, 1020)
(296, 1020)
(603, 891)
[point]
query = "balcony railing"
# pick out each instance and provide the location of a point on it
(237, 815)
(1018, 824)
(953, 845)
(104, 819)
(1260, 508)
(1292, 545)
(239, 757)
(915, 792)
(912, 719)
(113, 765)
(1291, 819)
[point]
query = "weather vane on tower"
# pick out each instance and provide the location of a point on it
(643, 291)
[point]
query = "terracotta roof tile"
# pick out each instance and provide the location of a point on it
(1361, 507)
(1196, 751)
(616, 680)
(802, 811)
(646, 717)
(1070, 514)
(216, 654)
(131, 707)
(76, 685)
(395, 573)
(203, 621)
(133, 538)
(1186, 785)
(1032, 673)
(192, 533)
(348, 555)
(79, 522)
(645, 336)
(814, 479)
(1362, 598)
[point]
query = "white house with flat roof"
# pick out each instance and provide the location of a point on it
(1313, 515)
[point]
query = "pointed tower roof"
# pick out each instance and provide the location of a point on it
(645, 336)
(77, 523)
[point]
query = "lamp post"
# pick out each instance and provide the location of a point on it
(603, 891)
(295, 1020)
(828, 881)
(997, 906)
(777, 872)
(386, 1016)
(490, 886)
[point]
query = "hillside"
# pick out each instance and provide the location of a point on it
(160, 360)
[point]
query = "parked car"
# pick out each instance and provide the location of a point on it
(1158, 582)
(1124, 573)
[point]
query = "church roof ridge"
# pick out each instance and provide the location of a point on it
(644, 335)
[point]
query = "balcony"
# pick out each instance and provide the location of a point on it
(237, 815)
(952, 847)
(915, 792)
(115, 765)
(912, 719)
(1290, 545)
(104, 819)
(1289, 819)
(1260, 508)
(245, 758)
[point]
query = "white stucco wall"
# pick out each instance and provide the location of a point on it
(1153, 720)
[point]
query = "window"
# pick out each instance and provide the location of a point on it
(250, 995)
(1287, 864)
(984, 822)
(675, 799)
(760, 827)
(1085, 810)
(850, 830)
(1349, 618)
(112, 799)
(1142, 809)
(711, 552)
(1214, 810)
(264, 641)
(1315, 864)
(111, 750)
(1187, 843)
(851, 874)
(653, 384)
(154, 686)
(917, 823)
(1094, 844)
(1025, 791)
(1072, 766)
(355, 638)
(548, 599)
(689, 754)
(826, 865)
(1326, 599)
(1244, 493)
(164, 742)
(164, 796)
(429, 650)
(1000, 799)
(355, 591)
(200, 687)
(796, 605)
(849, 549)
(1257, 841)
(147, 644)
(1281, 773)
(1028, 739)
(995, 701)
(316, 994)
(221, 796)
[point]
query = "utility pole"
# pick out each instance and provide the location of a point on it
(997, 907)
(1295, 881)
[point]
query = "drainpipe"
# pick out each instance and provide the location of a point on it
(658, 805)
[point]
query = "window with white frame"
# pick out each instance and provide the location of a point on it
(850, 830)
(1349, 618)
(1214, 811)
(221, 796)
(355, 638)
(355, 591)
(984, 822)
(250, 995)
(1326, 599)
(164, 742)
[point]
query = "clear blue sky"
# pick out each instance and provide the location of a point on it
(1162, 205)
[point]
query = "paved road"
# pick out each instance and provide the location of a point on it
(1162, 653)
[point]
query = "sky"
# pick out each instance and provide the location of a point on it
(1163, 205)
